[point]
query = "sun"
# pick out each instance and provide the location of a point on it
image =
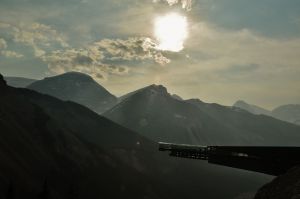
(171, 31)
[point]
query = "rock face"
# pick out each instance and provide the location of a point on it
(286, 186)
(156, 114)
(76, 87)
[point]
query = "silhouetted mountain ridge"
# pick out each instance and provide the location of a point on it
(77, 87)
(154, 113)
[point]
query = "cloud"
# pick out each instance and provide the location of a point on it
(8, 53)
(134, 48)
(99, 59)
(43, 40)
(95, 59)
(39, 36)
(129, 49)
(3, 44)
(81, 60)
(11, 54)
(224, 48)
(273, 18)
(186, 4)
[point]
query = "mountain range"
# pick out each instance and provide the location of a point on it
(72, 84)
(160, 116)
(154, 113)
(289, 113)
(67, 149)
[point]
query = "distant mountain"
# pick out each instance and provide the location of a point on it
(154, 113)
(252, 108)
(48, 146)
(289, 113)
(19, 82)
(176, 97)
(76, 87)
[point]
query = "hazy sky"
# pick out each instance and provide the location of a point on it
(236, 49)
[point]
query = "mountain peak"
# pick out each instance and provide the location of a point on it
(76, 76)
(77, 87)
(196, 100)
(241, 102)
(157, 88)
(251, 108)
(148, 92)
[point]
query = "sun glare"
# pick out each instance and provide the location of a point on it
(171, 31)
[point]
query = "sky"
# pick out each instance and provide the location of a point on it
(234, 49)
